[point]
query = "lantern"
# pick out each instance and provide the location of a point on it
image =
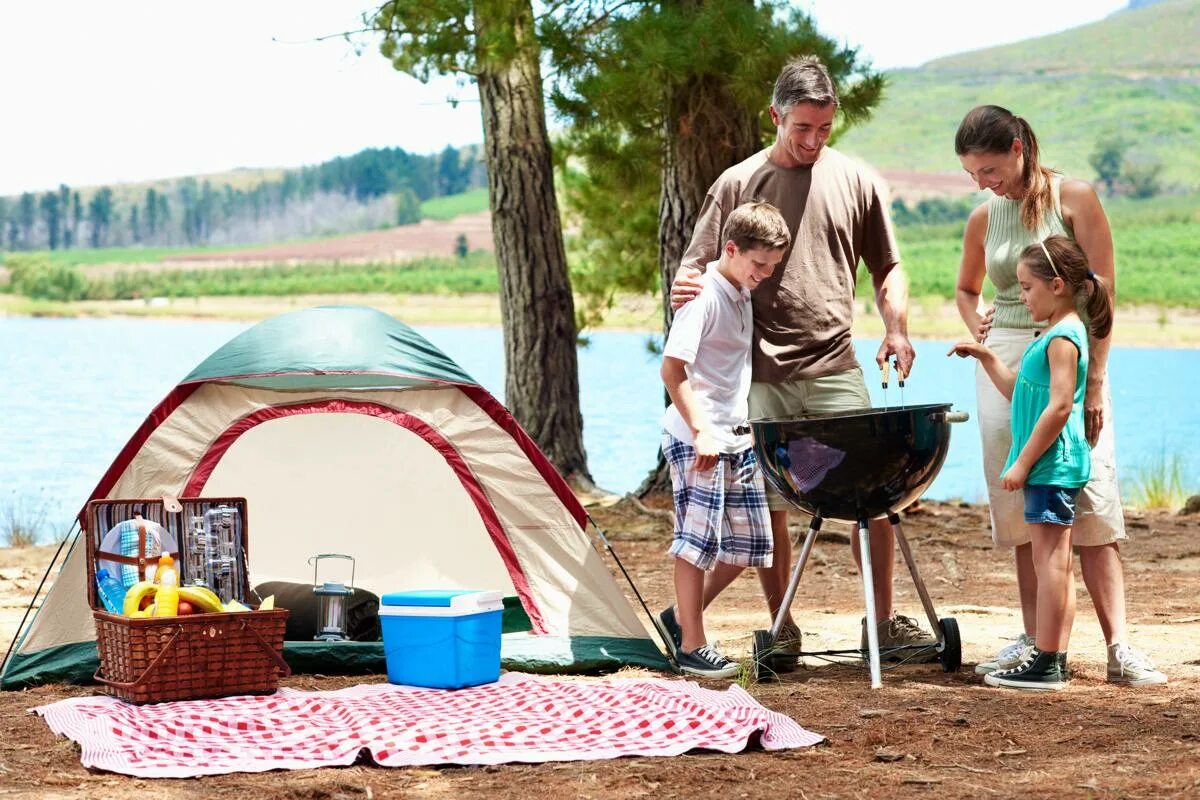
(332, 602)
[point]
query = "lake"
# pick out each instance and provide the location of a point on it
(76, 389)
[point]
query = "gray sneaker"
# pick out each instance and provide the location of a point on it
(901, 630)
(1009, 657)
(1128, 666)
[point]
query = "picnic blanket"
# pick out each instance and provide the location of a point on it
(520, 718)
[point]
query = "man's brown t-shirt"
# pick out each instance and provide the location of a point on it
(837, 213)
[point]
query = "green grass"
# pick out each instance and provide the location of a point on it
(454, 205)
(1159, 484)
(23, 521)
(476, 273)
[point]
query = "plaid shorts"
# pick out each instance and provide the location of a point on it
(721, 513)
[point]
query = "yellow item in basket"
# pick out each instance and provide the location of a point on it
(202, 598)
(166, 602)
(268, 604)
(234, 605)
(133, 598)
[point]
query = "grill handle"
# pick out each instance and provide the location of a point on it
(955, 416)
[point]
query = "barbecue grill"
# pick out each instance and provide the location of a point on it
(854, 467)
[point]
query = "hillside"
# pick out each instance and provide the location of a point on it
(1136, 73)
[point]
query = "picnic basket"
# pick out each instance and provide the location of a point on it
(196, 656)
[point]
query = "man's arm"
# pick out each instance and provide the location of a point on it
(891, 297)
(704, 248)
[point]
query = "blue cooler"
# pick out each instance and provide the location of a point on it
(442, 638)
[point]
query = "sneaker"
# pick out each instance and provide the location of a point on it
(706, 662)
(901, 630)
(670, 627)
(1039, 672)
(1128, 666)
(1009, 656)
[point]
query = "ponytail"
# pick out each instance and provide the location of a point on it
(1039, 194)
(1099, 306)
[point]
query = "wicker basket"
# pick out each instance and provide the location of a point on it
(190, 657)
(155, 659)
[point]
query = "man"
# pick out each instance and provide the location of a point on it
(803, 356)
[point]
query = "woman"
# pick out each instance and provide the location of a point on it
(1000, 152)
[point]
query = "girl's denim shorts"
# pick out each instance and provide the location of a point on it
(1053, 505)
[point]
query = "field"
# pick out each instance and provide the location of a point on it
(925, 731)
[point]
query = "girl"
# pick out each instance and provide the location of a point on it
(1050, 458)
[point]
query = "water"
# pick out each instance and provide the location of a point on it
(76, 389)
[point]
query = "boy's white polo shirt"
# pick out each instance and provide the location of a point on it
(713, 334)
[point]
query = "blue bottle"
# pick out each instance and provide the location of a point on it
(111, 591)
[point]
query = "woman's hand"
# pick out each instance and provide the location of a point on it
(685, 287)
(1015, 477)
(981, 331)
(1093, 410)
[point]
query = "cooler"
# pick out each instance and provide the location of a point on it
(442, 638)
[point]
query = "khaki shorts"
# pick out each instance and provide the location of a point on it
(842, 391)
(1099, 518)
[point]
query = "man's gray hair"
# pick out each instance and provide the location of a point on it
(804, 79)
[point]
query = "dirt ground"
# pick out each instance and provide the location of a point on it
(924, 731)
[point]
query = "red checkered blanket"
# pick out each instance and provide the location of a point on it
(520, 718)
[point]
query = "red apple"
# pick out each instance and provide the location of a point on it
(185, 608)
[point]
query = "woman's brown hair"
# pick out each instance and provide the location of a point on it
(1060, 257)
(992, 129)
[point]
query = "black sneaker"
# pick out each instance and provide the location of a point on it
(1040, 672)
(670, 627)
(706, 662)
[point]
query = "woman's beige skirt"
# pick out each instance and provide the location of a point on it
(1099, 518)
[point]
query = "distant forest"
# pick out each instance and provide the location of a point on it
(375, 188)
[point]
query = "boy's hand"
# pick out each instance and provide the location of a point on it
(706, 451)
(968, 347)
(1015, 477)
(685, 287)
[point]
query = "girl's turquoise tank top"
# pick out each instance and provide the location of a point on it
(1006, 237)
(1068, 462)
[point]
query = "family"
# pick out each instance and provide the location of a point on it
(765, 301)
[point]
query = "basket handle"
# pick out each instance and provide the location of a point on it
(146, 672)
(284, 669)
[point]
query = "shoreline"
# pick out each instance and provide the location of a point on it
(929, 317)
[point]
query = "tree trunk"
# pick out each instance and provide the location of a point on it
(541, 386)
(706, 131)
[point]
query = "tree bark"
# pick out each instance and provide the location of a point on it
(706, 131)
(537, 311)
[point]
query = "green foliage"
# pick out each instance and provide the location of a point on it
(408, 207)
(36, 277)
(933, 210)
(461, 247)
(473, 273)
(23, 520)
(1107, 158)
(1143, 179)
(451, 206)
(1159, 484)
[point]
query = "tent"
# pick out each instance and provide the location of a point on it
(348, 432)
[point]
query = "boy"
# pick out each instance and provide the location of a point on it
(720, 506)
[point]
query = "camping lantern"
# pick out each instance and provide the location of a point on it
(331, 602)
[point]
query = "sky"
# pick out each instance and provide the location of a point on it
(126, 90)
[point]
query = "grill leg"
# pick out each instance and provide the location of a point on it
(926, 603)
(868, 580)
(814, 527)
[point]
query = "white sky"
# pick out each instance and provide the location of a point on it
(123, 90)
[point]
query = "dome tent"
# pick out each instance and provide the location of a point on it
(346, 431)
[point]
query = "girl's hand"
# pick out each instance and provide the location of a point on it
(706, 451)
(1015, 477)
(985, 325)
(968, 347)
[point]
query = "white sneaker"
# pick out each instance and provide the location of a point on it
(1128, 666)
(1010, 656)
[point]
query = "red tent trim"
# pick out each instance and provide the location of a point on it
(212, 457)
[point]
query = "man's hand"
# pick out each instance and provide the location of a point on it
(898, 345)
(1093, 410)
(685, 287)
(706, 451)
(1015, 477)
